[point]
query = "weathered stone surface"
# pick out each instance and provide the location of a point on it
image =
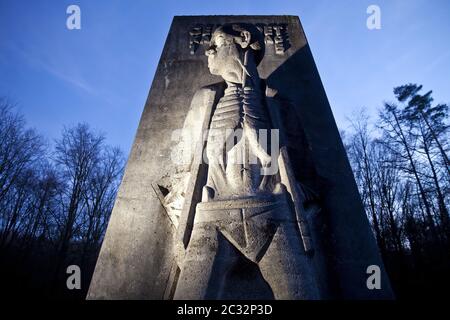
(141, 250)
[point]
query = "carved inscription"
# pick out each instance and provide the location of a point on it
(274, 35)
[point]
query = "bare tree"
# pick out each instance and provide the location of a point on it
(398, 139)
(362, 154)
(45, 189)
(401, 168)
(77, 154)
(428, 123)
(53, 208)
(20, 149)
(99, 199)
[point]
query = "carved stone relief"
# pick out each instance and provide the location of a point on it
(257, 216)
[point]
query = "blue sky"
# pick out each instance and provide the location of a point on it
(102, 73)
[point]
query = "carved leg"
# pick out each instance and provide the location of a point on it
(286, 268)
(208, 258)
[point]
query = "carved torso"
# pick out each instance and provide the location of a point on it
(233, 150)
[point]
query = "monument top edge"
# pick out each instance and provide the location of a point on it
(176, 17)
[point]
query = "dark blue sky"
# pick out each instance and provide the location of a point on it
(101, 74)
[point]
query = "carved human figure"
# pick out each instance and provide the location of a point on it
(236, 156)
(246, 214)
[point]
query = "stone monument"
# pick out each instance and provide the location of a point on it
(238, 185)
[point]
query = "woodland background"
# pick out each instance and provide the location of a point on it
(56, 196)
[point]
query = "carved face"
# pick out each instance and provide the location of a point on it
(224, 57)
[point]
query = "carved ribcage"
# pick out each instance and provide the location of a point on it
(232, 110)
(254, 112)
(228, 113)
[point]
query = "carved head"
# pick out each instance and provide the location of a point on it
(228, 46)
